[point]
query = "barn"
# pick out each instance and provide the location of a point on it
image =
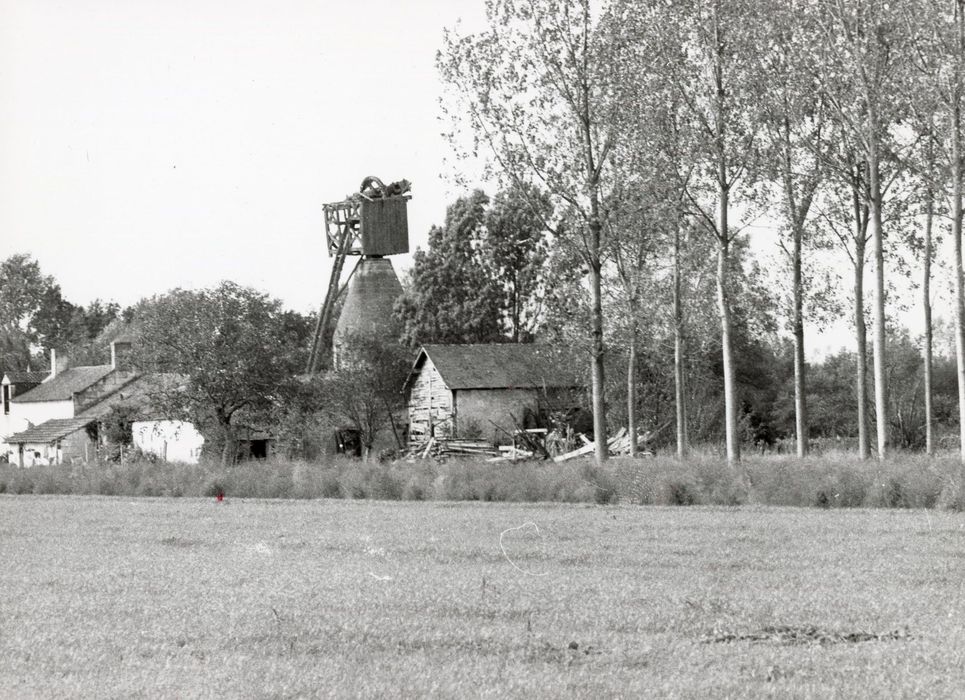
(485, 391)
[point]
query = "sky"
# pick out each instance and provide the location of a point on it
(149, 144)
(153, 144)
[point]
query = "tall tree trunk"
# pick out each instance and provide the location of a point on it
(926, 303)
(957, 177)
(800, 368)
(723, 250)
(596, 368)
(860, 329)
(229, 450)
(516, 311)
(632, 384)
(726, 337)
(955, 124)
(877, 249)
(680, 390)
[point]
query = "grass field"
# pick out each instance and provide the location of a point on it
(121, 597)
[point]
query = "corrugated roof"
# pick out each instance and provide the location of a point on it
(499, 366)
(50, 431)
(66, 384)
(26, 377)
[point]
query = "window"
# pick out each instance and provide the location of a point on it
(6, 399)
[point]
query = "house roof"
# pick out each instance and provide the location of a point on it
(135, 394)
(50, 431)
(497, 366)
(26, 377)
(66, 384)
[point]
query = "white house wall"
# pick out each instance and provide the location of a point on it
(170, 440)
(26, 415)
(10, 425)
(39, 412)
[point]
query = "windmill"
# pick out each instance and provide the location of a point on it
(370, 224)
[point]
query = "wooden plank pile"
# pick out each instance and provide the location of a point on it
(442, 447)
(529, 444)
(618, 444)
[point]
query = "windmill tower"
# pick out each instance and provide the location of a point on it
(371, 224)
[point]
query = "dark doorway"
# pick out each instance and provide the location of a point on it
(259, 449)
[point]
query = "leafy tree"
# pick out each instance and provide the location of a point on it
(231, 348)
(532, 90)
(652, 166)
(861, 51)
(366, 390)
(939, 60)
(793, 123)
(33, 312)
(721, 86)
(453, 296)
(23, 291)
(516, 247)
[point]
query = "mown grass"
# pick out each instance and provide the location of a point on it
(120, 597)
(830, 481)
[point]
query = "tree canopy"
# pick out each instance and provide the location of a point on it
(230, 353)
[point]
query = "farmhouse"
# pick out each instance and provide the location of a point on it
(13, 384)
(57, 420)
(485, 390)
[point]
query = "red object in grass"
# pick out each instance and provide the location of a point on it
(220, 497)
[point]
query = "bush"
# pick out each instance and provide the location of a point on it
(836, 481)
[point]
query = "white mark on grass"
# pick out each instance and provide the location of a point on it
(511, 562)
(380, 578)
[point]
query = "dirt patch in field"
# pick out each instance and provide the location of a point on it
(790, 635)
(179, 542)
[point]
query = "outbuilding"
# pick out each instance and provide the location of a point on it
(56, 441)
(486, 390)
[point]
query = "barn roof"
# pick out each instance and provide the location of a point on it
(49, 431)
(66, 384)
(497, 366)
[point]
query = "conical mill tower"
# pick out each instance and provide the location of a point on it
(371, 225)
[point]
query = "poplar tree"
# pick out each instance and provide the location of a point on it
(531, 91)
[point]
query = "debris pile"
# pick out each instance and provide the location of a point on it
(618, 444)
(532, 443)
(444, 447)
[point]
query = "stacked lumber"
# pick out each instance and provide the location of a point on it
(442, 447)
(511, 453)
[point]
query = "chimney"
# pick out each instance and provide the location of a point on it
(121, 356)
(57, 365)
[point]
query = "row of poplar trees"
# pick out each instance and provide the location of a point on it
(641, 117)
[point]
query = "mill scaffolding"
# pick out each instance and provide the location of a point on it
(371, 224)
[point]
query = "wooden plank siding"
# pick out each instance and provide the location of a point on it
(430, 406)
(384, 227)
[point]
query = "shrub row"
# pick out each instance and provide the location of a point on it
(906, 481)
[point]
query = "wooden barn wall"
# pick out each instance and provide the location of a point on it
(430, 403)
(495, 413)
